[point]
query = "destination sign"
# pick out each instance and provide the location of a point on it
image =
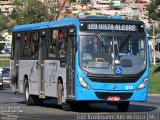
(111, 27)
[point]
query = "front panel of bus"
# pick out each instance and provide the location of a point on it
(112, 62)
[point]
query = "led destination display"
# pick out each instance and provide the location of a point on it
(112, 27)
(86, 26)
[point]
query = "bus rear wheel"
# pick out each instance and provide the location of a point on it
(28, 98)
(123, 106)
(31, 99)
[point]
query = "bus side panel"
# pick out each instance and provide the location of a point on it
(52, 72)
(28, 68)
(61, 71)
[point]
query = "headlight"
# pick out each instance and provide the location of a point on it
(83, 82)
(143, 84)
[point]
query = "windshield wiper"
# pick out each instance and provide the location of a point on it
(101, 40)
(124, 42)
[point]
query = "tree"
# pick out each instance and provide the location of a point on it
(153, 10)
(2, 22)
(10, 24)
(72, 1)
(123, 1)
(154, 15)
(18, 4)
(135, 18)
(67, 13)
(1, 44)
(85, 1)
(30, 11)
(56, 7)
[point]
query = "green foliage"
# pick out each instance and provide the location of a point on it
(135, 18)
(85, 1)
(153, 12)
(2, 22)
(154, 81)
(115, 7)
(34, 11)
(72, 1)
(123, 1)
(1, 44)
(13, 15)
(156, 30)
(157, 2)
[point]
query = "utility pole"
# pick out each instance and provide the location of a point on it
(154, 43)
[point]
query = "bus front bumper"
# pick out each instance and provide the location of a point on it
(83, 94)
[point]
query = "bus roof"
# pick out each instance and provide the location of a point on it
(69, 22)
(108, 18)
(43, 25)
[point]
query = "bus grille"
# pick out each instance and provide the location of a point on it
(104, 95)
(114, 79)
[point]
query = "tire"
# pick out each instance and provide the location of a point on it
(60, 93)
(66, 106)
(123, 107)
(28, 98)
(31, 99)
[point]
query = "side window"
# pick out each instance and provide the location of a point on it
(34, 44)
(57, 43)
(62, 43)
(52, 50)
(26, 46)
(30, 45)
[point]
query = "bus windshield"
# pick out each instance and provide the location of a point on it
(103, 54)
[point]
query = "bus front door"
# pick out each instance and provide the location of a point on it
(70, 66)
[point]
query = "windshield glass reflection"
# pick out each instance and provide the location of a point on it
(104, 54)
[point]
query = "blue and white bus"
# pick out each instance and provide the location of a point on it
(81, 60)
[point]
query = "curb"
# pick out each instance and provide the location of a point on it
(153, 94)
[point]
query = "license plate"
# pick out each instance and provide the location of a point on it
(113, 98)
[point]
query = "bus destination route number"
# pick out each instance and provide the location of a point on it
(115, 27)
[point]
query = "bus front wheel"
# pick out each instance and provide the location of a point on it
(66, 106)
(123, 106)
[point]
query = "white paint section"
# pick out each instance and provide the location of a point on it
(28, 67)
(52, 71)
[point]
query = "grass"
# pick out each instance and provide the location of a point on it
(4, 62)
(154, 80)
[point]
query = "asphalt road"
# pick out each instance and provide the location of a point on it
(12, 107)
